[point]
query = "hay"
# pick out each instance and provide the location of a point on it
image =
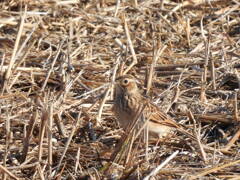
(59, 58)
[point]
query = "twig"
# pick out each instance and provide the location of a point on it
(214, 169)
(188, 32)
(124, 140)
(155, 171)
(69, 138)
(52, 66)
(204, 75)
(4, 170)
(120, 44)
(27, 139)
(235, 105)
(197, 134)
(177, 93)
(13, 57)
(44, 119)
(156, 56)
(117, 7)
(24, 56)
(170, 67)
(213, 74)
(100, 109)
(130, 45)
(233, 140)
(50, 146)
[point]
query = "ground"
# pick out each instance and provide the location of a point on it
(60, 58)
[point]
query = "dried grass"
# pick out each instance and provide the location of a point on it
(58, 62)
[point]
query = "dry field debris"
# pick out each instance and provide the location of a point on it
(59, 59)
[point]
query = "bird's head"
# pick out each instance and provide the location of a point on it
(127, 83)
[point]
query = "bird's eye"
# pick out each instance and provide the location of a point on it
(125, 82)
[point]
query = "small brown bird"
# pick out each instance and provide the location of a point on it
(128, 101)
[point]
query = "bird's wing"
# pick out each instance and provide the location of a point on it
(154, 114)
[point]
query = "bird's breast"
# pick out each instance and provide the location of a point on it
(126, 108)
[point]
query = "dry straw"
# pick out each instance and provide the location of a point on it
(58, 63)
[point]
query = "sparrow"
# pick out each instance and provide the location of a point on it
(128, 101)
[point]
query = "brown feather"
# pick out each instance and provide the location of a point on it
(127, 102)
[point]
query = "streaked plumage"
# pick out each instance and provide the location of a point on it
(128, 101)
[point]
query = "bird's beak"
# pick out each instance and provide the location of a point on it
(114, 83)
(137, 81)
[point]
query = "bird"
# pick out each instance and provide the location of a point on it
(128, 101)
